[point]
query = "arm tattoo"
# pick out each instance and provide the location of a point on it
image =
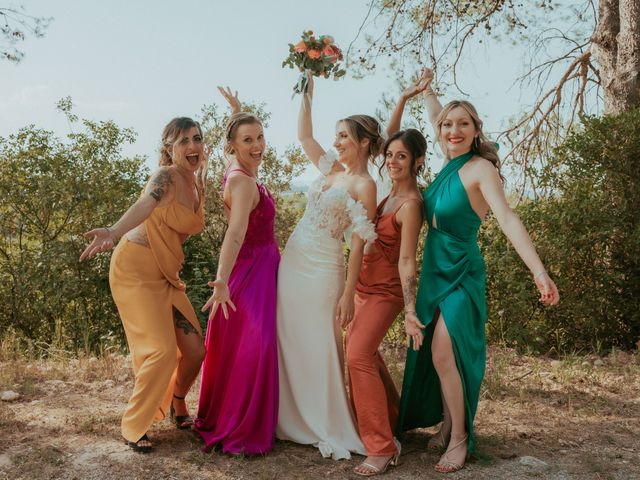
(159, 184)
(409, 287)
(182, 323)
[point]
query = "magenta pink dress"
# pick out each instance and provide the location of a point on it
(238, 405)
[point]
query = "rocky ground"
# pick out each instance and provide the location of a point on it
(575, 418)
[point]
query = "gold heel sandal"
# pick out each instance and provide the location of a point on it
(373, 470)
(445, 465)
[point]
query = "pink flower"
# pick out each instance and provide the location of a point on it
(300, 47)
(314, 53)
(330, 53)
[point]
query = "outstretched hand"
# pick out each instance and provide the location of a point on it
(413, 329)
(420, 84)
(103, 240)
(219, 298)
(231, 98)
(548, 291)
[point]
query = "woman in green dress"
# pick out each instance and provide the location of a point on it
(442, 376)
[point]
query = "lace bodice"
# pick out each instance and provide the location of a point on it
(260, 230)
(333, 211)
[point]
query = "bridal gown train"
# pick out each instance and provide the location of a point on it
(314, 407)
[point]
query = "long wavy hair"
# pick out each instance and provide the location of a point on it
(170, 135)
(414, 141)
(481, 145)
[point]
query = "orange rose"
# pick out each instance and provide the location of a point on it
(314, 53)
(300, 47)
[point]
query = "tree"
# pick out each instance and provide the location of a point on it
(562, 38)
(16, 26)
(52, 190)
(616, 48)
(588, 232)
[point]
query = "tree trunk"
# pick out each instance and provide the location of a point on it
(616, 49)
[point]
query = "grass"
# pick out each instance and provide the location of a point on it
(66, 425)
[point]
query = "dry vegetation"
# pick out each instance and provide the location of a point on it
(580, 415)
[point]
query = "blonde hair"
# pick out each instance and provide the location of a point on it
(234, 122)
(360, 127)
(170, 135)
(481, 145)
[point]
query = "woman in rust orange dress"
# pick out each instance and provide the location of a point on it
(387, 282)
(161, 326)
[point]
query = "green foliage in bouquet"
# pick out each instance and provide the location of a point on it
(320, 55)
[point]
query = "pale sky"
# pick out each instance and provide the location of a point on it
(143, 62)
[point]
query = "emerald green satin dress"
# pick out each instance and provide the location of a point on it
(452, 279)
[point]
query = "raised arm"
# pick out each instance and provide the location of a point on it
(434, 107)
(242, 190)
(363, 228)
(232, 99)
(311, 147)
(410, 218)
(493, 192)
(159, 187)
(419, 86)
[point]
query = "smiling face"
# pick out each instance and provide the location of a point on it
(399, 161)
(457, 131)
(345, 146)
(248, 144)
(188, 149)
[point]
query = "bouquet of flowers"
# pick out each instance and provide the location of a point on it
(320, 55)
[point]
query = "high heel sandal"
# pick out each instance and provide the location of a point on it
(437, 443)
(445, 465)
(136, 447)
(373, 470)
(183, 422)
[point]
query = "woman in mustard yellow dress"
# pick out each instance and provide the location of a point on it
(161, 326)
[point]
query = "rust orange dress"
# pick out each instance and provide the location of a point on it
(378, 302)
(146, 286)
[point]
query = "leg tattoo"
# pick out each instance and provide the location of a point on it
(183, 323)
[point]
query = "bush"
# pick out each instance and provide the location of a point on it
(588, 235)
(53, 190)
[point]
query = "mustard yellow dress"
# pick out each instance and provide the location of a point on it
(146, 286)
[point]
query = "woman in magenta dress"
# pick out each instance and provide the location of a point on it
(238, 404)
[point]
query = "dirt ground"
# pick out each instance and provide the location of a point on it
(579, 418)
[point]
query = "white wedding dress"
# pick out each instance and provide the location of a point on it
(314, 408)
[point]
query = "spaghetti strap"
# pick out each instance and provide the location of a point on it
(226, 174)
(419, 200)
(224, 182)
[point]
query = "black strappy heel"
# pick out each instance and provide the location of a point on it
(136, 447)
(183, 422)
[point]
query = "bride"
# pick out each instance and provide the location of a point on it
(314, 300)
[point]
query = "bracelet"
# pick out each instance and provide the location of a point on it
(539, 273)
(410, 311)
(428, 92)
(113, 237)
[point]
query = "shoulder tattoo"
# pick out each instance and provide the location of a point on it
(160, 184)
